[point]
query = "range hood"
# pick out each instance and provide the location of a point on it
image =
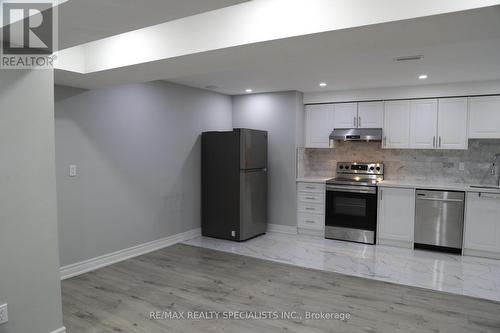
(356, 134)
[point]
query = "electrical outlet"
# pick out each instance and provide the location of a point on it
(461, 166)
(4, 316)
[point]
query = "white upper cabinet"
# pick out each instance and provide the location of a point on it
(484, 121)
(396, 124)
(319, 125)
(371, 114)
(438, 124)
(346, 115)
(423, 123)
(452, 124)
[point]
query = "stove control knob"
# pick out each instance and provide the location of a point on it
(347, 167)
(372, 168)
(341, 167)
(378, 168)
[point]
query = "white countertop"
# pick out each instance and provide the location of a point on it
(413, 184)
(313, 179)
(436, 186)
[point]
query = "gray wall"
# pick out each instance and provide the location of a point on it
(281, 115)
(29, 260)
(137, 148)
(407, 164)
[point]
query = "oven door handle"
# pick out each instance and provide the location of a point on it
(352, 189)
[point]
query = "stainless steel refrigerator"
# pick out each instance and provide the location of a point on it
(234, 184)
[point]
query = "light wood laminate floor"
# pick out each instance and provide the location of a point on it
(119, 298)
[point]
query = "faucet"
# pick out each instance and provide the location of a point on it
(493, 168)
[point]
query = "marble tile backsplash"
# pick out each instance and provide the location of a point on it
(406, 164)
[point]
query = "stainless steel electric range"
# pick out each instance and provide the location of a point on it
(351, 202)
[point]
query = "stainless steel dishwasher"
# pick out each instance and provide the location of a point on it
(439, 220)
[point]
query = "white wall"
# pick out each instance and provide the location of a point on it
(29, 260)
(420, 91)
(281, 115)
(137, 148)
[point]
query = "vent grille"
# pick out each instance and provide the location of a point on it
(409, 58)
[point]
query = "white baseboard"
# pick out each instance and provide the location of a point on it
(396, 243)
(311, 232)
(60, 330)
(114, 257)
(282, 229)
(483, 254)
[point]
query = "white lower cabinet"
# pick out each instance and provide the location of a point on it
(311, 221)
(396, 216)
(482, 225)
(311, 208)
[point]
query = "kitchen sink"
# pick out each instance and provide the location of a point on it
(485, 187)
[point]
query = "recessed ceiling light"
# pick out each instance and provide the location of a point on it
(248, 91)
(323, 84)
(423, 76)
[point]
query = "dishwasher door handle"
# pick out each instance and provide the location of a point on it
(440, 199)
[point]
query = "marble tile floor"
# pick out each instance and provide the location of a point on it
(463, 275)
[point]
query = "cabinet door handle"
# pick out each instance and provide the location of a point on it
(359, 121)
(381, 194)
(309, 221)
(307, 208)
(310, 187)
(310, 198)
(355, 121)
(440, 141)
(385, 141)
(434, 141)
(489, 195)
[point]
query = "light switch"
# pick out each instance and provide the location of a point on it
(4, 317)
(461, 166)
(72, 170)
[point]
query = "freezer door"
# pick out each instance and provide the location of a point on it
(253, 149)
(253, 203)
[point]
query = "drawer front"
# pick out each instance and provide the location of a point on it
(311, 221)
(311, 208)
(311, 187)
(311, 197)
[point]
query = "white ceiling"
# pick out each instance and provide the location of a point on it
(252, 22)
(82, 21)
(458, 47)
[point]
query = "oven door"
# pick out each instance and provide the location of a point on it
(351, 213)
